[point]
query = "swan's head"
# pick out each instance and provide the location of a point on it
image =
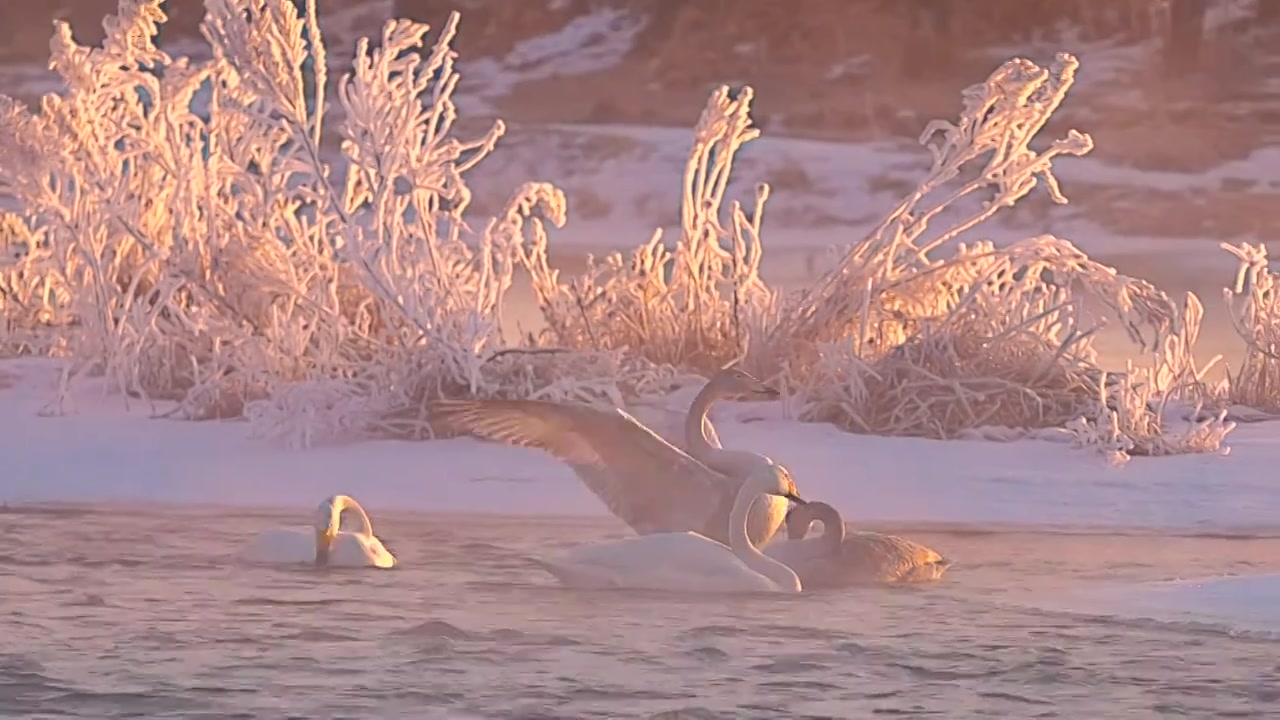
(732, 381)
(772, 479)
(800, 519)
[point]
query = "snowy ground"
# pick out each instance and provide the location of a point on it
(823, 193)
(100, 452)
(1243, 603)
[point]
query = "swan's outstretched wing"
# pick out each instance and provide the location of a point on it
(650, 484)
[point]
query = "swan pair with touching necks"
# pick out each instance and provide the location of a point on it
(688, 561)
(657, 488)
(325, 544)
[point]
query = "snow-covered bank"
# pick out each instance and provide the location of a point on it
(1248, 603)
(826, 194)
(100, 452)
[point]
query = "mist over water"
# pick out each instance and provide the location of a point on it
(149, 614)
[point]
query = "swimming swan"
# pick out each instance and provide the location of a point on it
(324, 544)
(837, 559)
(687, 561)
(648, 483)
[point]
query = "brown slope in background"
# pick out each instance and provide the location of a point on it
(875, 69)
(839, 69)
(860, 69)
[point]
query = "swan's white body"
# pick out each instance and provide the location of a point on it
(793, 553)
(324, 543)
(687, 561)
(684, 561)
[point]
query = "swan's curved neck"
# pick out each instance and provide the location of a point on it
(832, 527)
(342, 503)
(781, 575)
(699, 434)
(704, 444)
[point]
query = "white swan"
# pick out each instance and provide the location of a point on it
(840, 559)
(703, 443)
(645, 481)
(687, 561)
(324, 544)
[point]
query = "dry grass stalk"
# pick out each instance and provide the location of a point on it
(691, 306)
(1254, 305)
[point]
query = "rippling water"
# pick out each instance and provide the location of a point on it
(148, 614)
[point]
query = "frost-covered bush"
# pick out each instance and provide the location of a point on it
(207, 241)
(1159, 409)
(905, 341)
(226, 234)
(697, 305)
(1254, 305)
(31, 299)
(901, 337)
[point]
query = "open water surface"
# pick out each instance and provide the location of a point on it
(148, 614)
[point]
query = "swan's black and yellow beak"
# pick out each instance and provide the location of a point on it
(794, 497)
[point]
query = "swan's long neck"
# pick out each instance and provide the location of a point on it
(832, 527)
(345, 502)
(699, 434)
(781, 575)
(704, 444)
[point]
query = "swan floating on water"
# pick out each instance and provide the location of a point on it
(687, 561)
(839, 559)
(324, 544)
(648, 483)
